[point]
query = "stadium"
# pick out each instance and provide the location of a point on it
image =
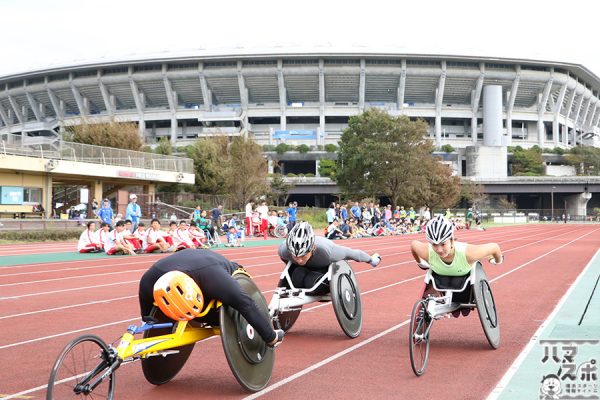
(307, 98)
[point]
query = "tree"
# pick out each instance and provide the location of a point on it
(210, 161)
(279, 190)
(246, 171)
(390, 156)
(585, 159)
(120, 135)
(164, 147)
(527, 162)
(472, 192)
(327, 168)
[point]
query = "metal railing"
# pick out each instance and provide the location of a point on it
(13, 145)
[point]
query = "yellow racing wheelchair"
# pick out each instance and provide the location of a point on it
(87, 366)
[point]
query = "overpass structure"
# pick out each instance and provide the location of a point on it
(30, 168)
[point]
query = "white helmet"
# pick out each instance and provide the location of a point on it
(301, 239)
(439, 230)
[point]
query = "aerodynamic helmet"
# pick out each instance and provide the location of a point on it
(178, 296)
(439, 229)
(301, 239)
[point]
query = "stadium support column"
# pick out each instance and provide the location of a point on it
(206, 92)
(361, 87)
(543, 101)
(570, 103)
(475, 96)
(402, 86)
(95, 192)
(172, 99)
(149, 193)
(575, 126)
(139, 103)
(556, 114)
(322, 99)
(511, 101)
(48, 196)
(243, 100)
(439, 99)
(4, 117)
(282, 95)
(489, 160)
(105, 97)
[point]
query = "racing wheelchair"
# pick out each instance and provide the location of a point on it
(87, 366)
(468, 292)
(288, 300)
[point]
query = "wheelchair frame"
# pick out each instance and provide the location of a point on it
(431, 308)
(130, 349)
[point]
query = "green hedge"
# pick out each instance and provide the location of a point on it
(40, 236)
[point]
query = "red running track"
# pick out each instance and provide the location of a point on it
(43, 306)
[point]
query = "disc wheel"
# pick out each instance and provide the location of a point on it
(420, 325)
(160, 370)
(486, 308)
(345, 296)
(83, 361)
(250, 359)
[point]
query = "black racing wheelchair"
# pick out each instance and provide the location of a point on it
(288, 300)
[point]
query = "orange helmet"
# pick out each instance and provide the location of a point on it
(178, 296)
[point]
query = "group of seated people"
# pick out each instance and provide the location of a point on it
(351, 228)
(121, 240)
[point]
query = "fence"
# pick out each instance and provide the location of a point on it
(14, 145)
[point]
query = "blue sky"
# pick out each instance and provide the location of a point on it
(38, 33)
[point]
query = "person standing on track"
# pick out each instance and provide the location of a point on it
(201, 275)
(447, 257)
(311, 256)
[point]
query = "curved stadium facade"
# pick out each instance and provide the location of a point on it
(307, 98)
(545, 103)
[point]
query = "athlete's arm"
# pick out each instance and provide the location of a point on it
(477, 252)
(420, 251)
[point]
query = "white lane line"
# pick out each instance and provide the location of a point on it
(346, 351)
(73, 277)
(325, 361)
(67, 290)
(89, 303)
(6, 346)
(512, 370)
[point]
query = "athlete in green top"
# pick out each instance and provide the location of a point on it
(447, 257)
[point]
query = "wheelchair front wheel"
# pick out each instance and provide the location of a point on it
(82, 370)
(288, 318)
(420, 325)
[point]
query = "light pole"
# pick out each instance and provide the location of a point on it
(552, 202)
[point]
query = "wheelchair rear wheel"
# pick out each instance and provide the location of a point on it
(486, 307)
(160, 370)
(420, 326)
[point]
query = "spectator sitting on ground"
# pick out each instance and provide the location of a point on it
(181, 239)
(156, 238)
(233, 238)
(333, 231)
(130, 238)
(114, 243)
(141, 234)
(197, 235)
(101, 234)
(88, 242)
